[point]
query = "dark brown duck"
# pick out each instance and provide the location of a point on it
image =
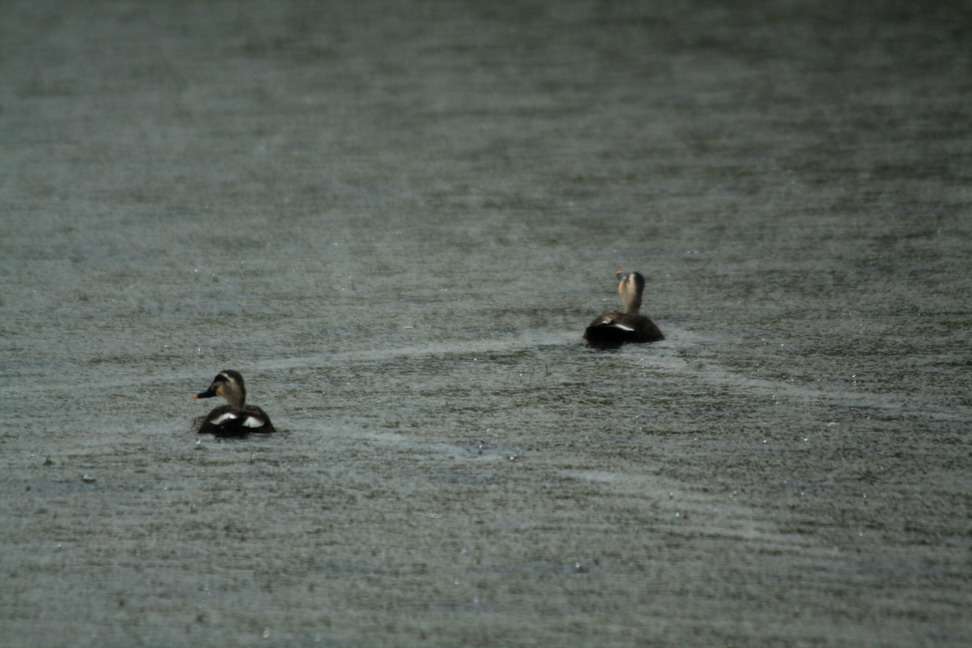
(611, 330)
(235, 419)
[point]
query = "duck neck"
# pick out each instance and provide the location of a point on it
(235, 397)
(631, 298)
(630, 290)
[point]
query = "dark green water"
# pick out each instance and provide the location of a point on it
(396, 220)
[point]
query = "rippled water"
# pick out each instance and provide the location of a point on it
(396, 221)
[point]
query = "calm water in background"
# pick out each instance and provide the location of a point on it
(396, 222)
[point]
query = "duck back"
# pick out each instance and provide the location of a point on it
(611, 330)
(229, 421)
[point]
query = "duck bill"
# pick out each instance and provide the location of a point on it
(209, 393)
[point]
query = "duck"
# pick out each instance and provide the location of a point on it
(611, 330)
(236, 419)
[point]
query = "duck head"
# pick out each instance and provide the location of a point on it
(228, 384)
(630, 287)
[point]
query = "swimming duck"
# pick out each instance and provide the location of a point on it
(235, 419)
(611, 330)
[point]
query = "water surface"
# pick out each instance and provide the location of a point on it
(396, 221)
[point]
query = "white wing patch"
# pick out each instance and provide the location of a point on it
(253, 422)
(223, 418)
(622, 327)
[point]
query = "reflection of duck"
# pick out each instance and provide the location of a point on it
(614, 329)
(236, 418)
